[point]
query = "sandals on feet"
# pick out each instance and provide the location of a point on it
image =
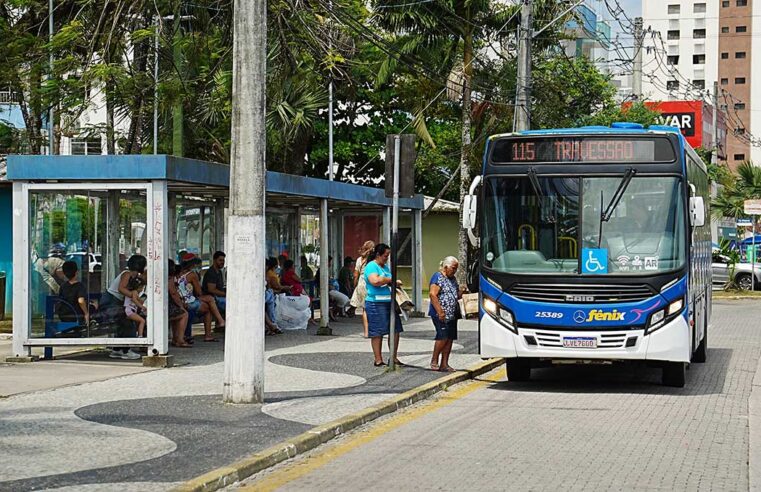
(210, 340)
(434, 367)
(379, 363)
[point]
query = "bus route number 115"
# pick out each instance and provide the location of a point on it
(524, 151)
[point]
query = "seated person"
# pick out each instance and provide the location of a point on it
(307, 275)
(290, 278)
(134, 308)
(214, 282)
(273, 280)
(76, 308)
(338, 300)
(346, 277)
(189, 287)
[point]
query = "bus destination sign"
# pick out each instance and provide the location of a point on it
(582, 149)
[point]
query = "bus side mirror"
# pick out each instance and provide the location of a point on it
(697, 211)
(469, 211)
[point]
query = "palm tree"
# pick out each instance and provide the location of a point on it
(746, 186)
(450, 33)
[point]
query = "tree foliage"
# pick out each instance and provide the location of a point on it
(395, 66)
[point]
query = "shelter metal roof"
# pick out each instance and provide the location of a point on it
(193, 177)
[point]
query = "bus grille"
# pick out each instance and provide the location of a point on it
(582, 293)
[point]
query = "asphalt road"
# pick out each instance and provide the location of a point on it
(571, 427)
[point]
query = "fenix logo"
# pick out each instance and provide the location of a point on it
(600, 315)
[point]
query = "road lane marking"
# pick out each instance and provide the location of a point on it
(311, 463)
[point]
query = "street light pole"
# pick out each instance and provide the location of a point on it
(51, 112)
(156, 87)
(244, 340)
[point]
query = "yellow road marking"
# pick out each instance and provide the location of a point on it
(297, 470)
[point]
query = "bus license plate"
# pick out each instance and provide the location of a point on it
(580, 342)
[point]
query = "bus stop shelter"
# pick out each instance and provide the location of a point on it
(100, 210)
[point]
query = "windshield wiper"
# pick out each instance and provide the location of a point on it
(608, 213)
(605, 217)
(535, 182)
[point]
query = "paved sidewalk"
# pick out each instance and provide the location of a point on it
(106, 424)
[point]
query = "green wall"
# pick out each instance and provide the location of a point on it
(439, 240)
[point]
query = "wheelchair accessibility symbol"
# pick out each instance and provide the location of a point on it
(594, 261)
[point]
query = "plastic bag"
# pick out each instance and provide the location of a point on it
(292, 312)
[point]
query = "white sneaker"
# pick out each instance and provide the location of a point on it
(130, 355)
(116, 354)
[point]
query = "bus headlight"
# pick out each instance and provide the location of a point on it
(500, 313)
(659, 318)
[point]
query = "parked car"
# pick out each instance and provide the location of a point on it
(743, 272)
(89, 261)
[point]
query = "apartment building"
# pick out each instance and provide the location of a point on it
(735, 47)
(707, 41)
(680, 57)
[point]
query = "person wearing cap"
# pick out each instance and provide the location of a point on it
(51, 268)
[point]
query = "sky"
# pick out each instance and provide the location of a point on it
(633, 8)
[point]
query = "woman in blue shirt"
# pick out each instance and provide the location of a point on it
(444, 311)
(378, 303)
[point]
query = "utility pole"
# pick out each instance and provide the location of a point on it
(522, 120)
(51, 112)
(639, 38)
(244, 344)
(715, 153)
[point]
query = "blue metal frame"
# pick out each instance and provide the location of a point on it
(165, 167)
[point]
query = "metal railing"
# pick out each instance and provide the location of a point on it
(7, 97)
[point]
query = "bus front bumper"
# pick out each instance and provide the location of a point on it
(671, 342)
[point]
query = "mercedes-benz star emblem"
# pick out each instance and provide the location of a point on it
(579, 316)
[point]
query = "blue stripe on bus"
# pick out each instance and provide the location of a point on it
(584, 316)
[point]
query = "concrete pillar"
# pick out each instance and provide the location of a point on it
(244, 334)
(111, 248)
(158, 253)
(21, 271)
(417, 259)
(219, 224)
(386, 226)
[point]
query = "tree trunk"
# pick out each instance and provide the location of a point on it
(297, 155)
(110, 140)
(467, 58)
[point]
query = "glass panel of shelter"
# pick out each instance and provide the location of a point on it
(195, 231)
(74, 226)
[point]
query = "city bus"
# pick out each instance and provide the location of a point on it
(593, 247)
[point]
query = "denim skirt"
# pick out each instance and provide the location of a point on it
(379, 319)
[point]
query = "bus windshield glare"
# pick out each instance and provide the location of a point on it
(554, 225)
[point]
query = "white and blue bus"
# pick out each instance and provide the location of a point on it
(594, 246)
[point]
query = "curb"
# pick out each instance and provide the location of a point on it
(228, 475)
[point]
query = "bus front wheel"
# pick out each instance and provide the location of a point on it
(674, 374)
(518, 369)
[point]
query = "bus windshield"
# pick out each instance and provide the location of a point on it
(553, 225)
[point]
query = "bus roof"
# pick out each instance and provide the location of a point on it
(617, 128)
